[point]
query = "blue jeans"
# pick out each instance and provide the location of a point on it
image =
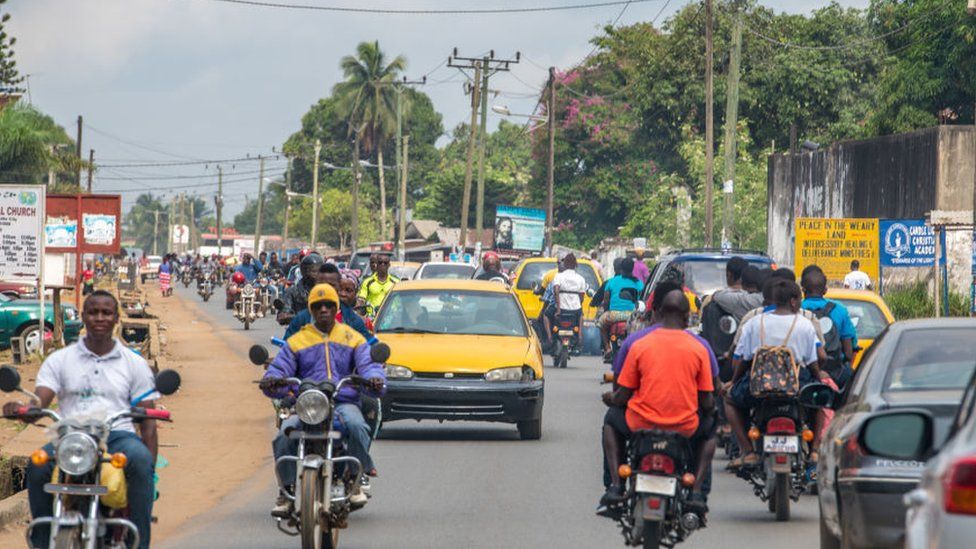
(139, 470)
(357, 437)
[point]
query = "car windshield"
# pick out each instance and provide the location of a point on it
(451, 312)
(403, 272)
(533, 272)
(932, 359)
(867, 317)
(453, 271)
(704, 276)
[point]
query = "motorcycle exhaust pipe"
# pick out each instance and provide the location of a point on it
(690, 521)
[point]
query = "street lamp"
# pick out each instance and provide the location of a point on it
(505, 111)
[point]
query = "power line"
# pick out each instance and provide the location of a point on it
(187, 163)
(137, 145)
(847, 46)
(473, 11)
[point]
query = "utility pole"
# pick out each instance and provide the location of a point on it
(91, 168)
(400, 153)
(551, 161)
(257, 225)
(731, 129)
(402, 240)
(971, 10)
(284, 236)
(709, 128)
(357, 179)
(315, 194)
(219, 200)
(193, 224)
(156, 233)
(484, 68)
(78, 153)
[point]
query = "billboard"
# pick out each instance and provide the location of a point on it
(522, 229)
(832, 244)
(907, 243)
(21, 227)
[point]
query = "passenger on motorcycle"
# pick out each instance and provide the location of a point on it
(568, 287)
(783, 326)
(666, 383)
(250, 267)
(840, 336)
(621, 294)
(375, 287)
(329, 274)
(296, 296)
(273, 264)
(548, 298)
(491, 266)
(325, 350)
(98, 374)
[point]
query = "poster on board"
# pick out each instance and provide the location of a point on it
(522, 229)
(99, 228)
(60, 232)
(832, 244)
(907, 243)
(21, 227)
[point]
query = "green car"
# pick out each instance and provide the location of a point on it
(19, 317)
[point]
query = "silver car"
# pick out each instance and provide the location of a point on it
(942, 510)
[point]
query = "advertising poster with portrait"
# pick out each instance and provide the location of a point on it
(519, 229)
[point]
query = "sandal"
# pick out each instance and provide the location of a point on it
(751, 458)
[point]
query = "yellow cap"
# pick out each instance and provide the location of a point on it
(322, 292)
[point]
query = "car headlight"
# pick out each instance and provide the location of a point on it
(515, 373)
(312, 407)
(398, 372)
(77, 454)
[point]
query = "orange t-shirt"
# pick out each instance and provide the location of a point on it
(666, 369)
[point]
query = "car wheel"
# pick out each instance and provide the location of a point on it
(530, 429)
(32, 341)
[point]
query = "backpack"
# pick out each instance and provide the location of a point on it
(835, 355)
(774, 369)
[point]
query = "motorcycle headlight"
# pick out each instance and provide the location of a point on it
(515, 373)
(248, 290)
(77, 454)
(312, 407)
(398, 372)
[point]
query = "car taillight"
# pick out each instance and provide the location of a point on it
(780, 425)
(657, 462)
(959, 486)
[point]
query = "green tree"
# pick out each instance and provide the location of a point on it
(335, 219)
(139, 223)
(10, 77)
(31, 145)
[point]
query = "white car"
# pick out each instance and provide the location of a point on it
(942, 510)
(445, 269)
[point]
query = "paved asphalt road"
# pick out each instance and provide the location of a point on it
(476, 485)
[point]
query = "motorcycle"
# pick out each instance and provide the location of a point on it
(619, 330)
(567, 337)
(781, 438)
(86, 512)
(205, 286)
(323, 484)
(185, 276)
(659, 474)
(268, 295)
(246, 307)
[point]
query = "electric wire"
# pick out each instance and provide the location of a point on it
(454, 11)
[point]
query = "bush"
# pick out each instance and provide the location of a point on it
(915, 301)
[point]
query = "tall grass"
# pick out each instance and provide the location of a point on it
(915, 301)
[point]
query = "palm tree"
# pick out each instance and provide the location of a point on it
(368, 101)
(31, 144)
(140, 223)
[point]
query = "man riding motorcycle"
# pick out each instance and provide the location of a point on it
(98, 374)
(620, 294)
(296, 296)
(329, 274)
(250, 267)
(324, 350)
(375, 287)
(491, 266)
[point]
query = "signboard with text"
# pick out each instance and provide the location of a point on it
(832, 244)
(907, 243)
(21, 229)
(522, 229)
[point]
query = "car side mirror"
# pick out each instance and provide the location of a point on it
(898, 434)
(9, 379)
(168, 382)
(258, 355)
(819, 395)
(379, 352)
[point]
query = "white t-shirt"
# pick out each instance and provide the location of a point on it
(86, 383)
(571, 284)
(857, 280)
(803, 340)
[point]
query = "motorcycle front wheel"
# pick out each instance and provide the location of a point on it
(652, 534)
(68, 538)
(316, 533)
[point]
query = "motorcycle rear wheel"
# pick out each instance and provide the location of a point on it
(652, 534)
(563, 359)
(316, 533)
(782, 497)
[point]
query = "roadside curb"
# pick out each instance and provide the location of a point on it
(14, 509)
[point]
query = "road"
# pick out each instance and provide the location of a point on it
(477, 485)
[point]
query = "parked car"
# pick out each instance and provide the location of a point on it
(869, 313)
(916, 365)
(703, 268)
(404, 270)
(942, 510)
(20, 318)
(18, 290)
(444, 269)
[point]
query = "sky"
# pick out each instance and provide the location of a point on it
(161, 81)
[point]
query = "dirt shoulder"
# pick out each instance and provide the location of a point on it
(220, 435)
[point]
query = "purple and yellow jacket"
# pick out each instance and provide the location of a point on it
(312, 355)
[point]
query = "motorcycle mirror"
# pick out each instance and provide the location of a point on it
(728, 325)
(818, 395)
(641, 307)
(258, 355)
(9, 379)
(379, 352)
(590, 292)
(168, 382)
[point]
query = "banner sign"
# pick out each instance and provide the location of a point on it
(518, 228)
(21, 226)
(60, 232)
(832, 244)
(907, 243)
(99, 228)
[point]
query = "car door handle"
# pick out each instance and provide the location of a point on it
(916, 498)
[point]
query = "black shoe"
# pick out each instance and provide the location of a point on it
(697, 504)
(613, 496)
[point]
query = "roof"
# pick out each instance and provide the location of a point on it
(698, 254)
(423, 228)
(926, 323)
(853, 295)
(451, 284)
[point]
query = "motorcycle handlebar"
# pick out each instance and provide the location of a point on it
(33, 412)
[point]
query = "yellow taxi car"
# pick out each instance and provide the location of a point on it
(460, 350)
(869, 313)
(530, 271)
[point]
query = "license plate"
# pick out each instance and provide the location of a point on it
(565, 332)
(781, 444)
(653, 484)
